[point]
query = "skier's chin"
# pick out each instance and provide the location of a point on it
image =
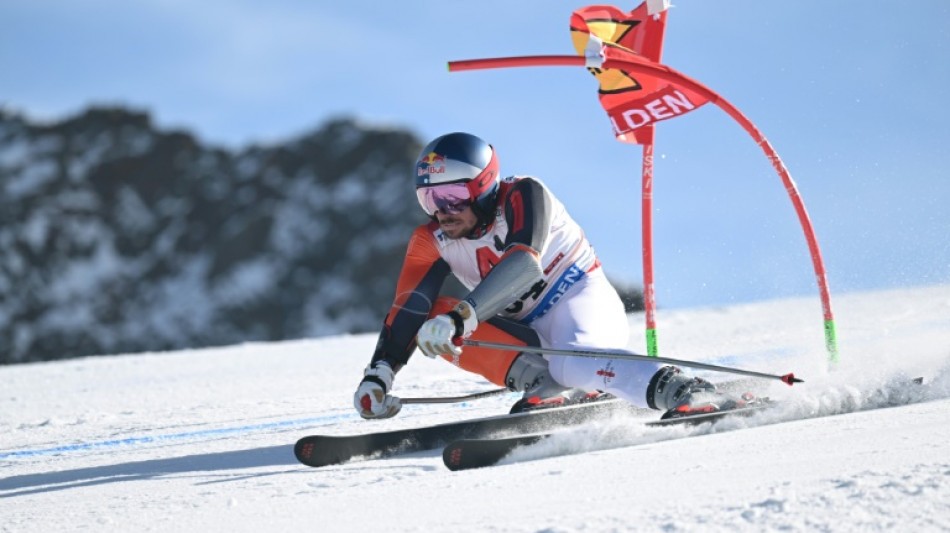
(454, 228)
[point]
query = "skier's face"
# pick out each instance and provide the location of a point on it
(458, 225)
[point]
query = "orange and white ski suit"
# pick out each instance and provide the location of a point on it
(572, 304)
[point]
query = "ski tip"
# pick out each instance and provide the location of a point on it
(452, 456)
(790, 379)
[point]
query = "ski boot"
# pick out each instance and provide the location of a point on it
(529, 374)
(679, 395)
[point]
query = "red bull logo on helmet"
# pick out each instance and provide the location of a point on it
(433, 158)
(431, 163)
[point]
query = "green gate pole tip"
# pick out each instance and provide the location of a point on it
(831, 342)
(652, 348)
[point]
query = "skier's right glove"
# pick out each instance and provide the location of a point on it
(442, 335)
(372, 398)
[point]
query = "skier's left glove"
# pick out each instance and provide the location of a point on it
(372, 398)
(443, 334)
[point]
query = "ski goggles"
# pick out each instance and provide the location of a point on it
(450, 198)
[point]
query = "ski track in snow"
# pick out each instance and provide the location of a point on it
(202, 439)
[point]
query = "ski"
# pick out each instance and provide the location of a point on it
(469, 453)
(323, 450)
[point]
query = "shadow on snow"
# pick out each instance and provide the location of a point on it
(153, 468)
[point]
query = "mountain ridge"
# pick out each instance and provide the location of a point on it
(118, 236)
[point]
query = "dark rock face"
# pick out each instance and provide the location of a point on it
(117, 237)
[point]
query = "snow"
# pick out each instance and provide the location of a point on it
(202, 439)
(28, 180)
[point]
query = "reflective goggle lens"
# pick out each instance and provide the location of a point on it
(451, 198)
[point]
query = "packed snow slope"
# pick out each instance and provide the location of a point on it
(202, 440)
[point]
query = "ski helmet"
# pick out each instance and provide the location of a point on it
(463, 160)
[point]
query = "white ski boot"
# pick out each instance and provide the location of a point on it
(679, 395)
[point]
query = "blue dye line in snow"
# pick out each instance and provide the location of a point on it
(133, 441)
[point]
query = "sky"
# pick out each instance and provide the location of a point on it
(851, 94)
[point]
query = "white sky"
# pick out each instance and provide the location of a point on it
(852, 94)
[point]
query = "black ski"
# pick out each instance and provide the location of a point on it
(322, 450)
(469, 453)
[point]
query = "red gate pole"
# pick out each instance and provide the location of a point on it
(641, 65)
(649, 295)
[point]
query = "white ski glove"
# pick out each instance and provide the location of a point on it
(438, 336)
(372, 398)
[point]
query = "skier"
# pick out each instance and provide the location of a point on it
(534, 280)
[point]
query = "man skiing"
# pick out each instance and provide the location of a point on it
(534, 280)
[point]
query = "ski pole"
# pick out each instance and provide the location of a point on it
(454, 399)
(789, 378)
